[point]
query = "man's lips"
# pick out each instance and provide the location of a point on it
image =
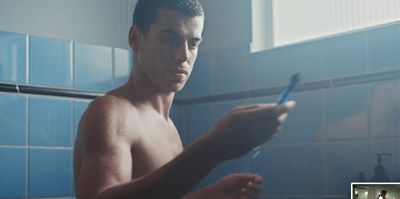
(179, 75)
(182, 71)
(179, 71)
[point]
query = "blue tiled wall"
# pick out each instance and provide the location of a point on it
(93, 67)
(50, 168)
(13, 172)
(13, 119)
(333, 136)
(37, 132)
(13, 57)
(49, 62)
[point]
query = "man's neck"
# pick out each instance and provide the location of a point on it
(140, 91)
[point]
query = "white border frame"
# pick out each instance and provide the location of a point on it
(370, 183)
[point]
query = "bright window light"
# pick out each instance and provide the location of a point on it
(292, 21)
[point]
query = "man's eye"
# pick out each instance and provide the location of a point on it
(194, 45)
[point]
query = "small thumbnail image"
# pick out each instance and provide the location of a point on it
(375, 190)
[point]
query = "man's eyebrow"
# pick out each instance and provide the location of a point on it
(169, 31)
(173, 32)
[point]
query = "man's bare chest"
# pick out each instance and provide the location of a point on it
(157, 145)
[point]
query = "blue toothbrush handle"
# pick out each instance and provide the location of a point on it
(285, 96)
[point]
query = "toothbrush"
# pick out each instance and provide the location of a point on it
(285, 95)
(295, 78)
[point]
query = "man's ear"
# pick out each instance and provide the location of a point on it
(134, 38)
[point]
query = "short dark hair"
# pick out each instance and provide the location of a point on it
(383, 192)
(146, 11)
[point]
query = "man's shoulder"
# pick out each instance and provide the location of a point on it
(110, 105)
(109, 109)
(108, 115)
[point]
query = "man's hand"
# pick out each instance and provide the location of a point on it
(235, 186)
(244, 128)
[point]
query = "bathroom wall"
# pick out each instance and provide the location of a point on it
(347, 112)
(347, 105)
(71, 45)
(100, 22)
(38, 131)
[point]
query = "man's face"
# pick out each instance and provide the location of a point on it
(166, 54)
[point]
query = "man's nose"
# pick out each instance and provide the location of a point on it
(182, 52)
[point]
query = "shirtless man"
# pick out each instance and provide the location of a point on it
(128, 147)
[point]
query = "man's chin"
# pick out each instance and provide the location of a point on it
(178, 89)
(175, 87)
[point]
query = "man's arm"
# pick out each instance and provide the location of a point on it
(106, 163)
(104, 156)
(106, 166)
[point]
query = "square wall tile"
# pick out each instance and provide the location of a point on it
(229, 70)
(177, 116)
(274, 67)
(304, 122)
(50, 121)
(13, 57)
(271, 163)
(49, 62)
(259, 72)
(384, 160)
(198, 119)
(345, 55)
(346, 162)
(12, 172)
(345, 112)
(384, 48)
(304, 58)
(122, 66)
(201, 79)
(384, 109)
(92, 67)
(50, 173)
(80, 107)
(12, 119)
(305, 163)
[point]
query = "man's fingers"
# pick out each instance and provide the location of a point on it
(244, 178)
(258, 180)
(252, 190)
(254, 187)
(282, 118)
(286, 107)
(272, 111)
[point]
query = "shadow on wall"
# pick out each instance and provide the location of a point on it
(378, 123)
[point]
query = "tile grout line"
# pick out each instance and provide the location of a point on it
(72, 76)
(36, 147)
(27, 80)
(323, 94)
(113, 82)
(26, 146)
(71, 63)
(72, 145)
(27, 51)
